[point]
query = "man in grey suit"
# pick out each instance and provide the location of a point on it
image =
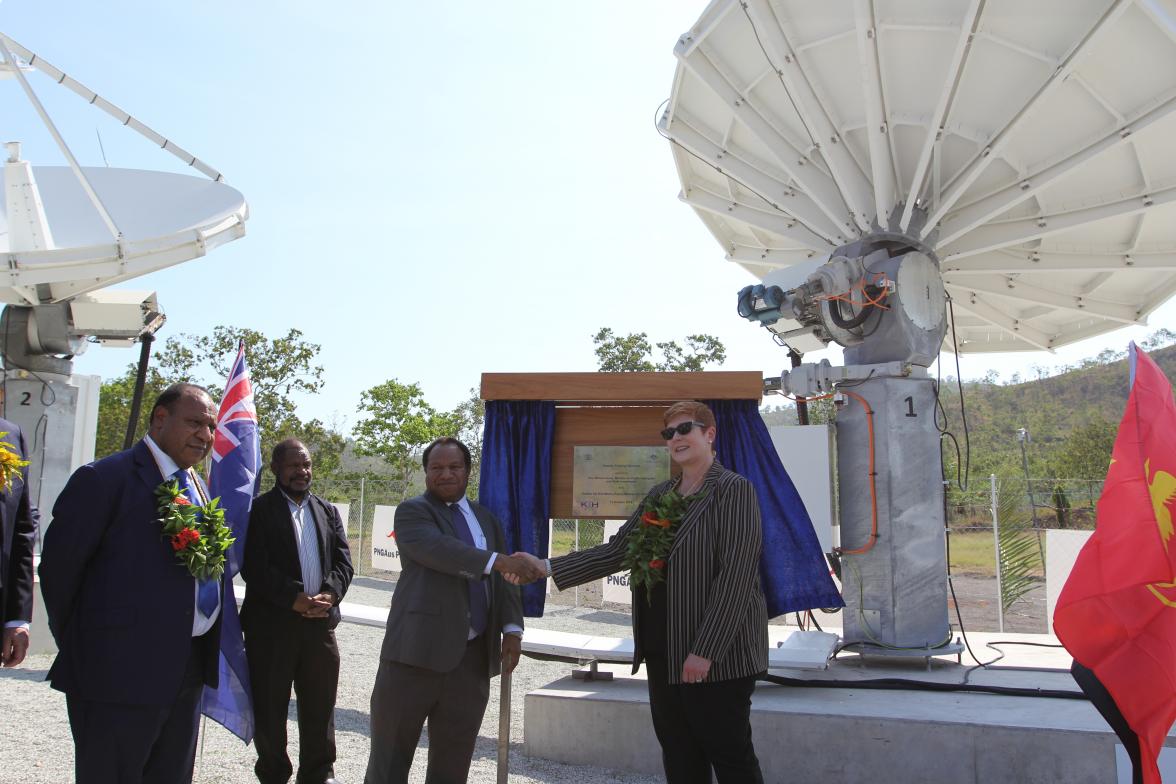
(453, 624)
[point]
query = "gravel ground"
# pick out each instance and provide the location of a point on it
(35, 744)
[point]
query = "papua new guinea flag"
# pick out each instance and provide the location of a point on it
(1116, 613)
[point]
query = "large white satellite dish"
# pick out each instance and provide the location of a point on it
(69, 230)
(1029, 144)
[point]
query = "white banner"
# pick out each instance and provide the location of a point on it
(344, 511)
(616, 586)
(385, 553)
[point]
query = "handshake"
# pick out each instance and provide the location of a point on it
(520, 568)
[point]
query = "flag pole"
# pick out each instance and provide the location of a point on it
(504, 729)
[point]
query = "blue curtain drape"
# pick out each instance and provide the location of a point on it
(792, 568)
(515, 480)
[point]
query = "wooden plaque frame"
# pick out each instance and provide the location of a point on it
(612, 409)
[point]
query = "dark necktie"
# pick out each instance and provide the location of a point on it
(478, 605)
(207, 595)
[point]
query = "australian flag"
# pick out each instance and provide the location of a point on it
(236, 463)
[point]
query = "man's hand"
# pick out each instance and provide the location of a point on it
(512, 649)
(15, 646)
(520, 568)
(313, 606)
(695, 669)
(321, 605)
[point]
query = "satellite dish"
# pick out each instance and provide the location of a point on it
(69, 230)
(163, 219)
(1029, 147)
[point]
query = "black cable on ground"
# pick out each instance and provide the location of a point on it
(903, 684)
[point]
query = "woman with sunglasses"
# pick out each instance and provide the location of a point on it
(702, 630)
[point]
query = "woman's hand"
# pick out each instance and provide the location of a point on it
(695, 669)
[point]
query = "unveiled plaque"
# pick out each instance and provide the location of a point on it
(609, 481)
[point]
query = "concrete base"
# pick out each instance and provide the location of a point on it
(850, 735)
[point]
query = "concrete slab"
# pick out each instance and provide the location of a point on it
(834, 730)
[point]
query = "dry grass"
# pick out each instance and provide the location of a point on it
(972, 553)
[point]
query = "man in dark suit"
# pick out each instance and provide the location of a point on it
(453, 624)
(137, 635)
(18, 529)
(297, 568)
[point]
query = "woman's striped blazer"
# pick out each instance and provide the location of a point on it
(715, 606)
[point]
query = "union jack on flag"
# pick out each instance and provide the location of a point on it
(236, 462)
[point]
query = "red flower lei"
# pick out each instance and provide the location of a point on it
(649, 543)
(198, 534)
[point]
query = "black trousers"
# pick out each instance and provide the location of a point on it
(1101, 699)
(404, 697)
(300, 653)
(139, 744)
(703, 726)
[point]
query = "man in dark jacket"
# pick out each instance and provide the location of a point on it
(137, 634)
(297, 568)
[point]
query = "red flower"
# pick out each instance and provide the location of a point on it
(182, 501)
(657, 563)
(185, 537)
(650, 519)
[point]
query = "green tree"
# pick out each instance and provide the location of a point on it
(397, 423)
(279, 368)
(1086, 452)
(469, 420)
(633, 353)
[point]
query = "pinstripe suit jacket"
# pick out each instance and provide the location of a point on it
(715, 606)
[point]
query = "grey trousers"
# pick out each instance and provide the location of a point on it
(453, 703)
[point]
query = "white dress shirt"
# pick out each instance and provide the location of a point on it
(306, 535)
(168, 467)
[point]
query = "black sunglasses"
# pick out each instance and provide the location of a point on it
(681, 429)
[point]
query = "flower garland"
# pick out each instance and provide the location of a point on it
(649, 543)
(198, 534)
(10, 464)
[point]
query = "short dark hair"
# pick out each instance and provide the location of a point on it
(448, 441)
(168, 397)
(284, 446)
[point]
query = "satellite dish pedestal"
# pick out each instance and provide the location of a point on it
(892, 525)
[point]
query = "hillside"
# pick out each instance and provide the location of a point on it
(1071, 417)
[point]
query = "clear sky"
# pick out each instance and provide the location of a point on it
(436, 189)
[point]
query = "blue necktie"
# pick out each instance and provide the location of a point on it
(479, 608)
(207, 594)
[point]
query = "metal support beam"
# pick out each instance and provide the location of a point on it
(1001, 201)
(881, 163)
(1016, 232)
(972, 303)
(849, 178)
(93, 98)
(1012, 288)
(791, 159)
(955, 71)
(1011, 263)
(766, 219)
(769, 257)
(993, 151)
(754, 176)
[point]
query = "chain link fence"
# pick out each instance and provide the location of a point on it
(1049, 503)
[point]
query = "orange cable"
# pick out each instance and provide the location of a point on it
(869, 545)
